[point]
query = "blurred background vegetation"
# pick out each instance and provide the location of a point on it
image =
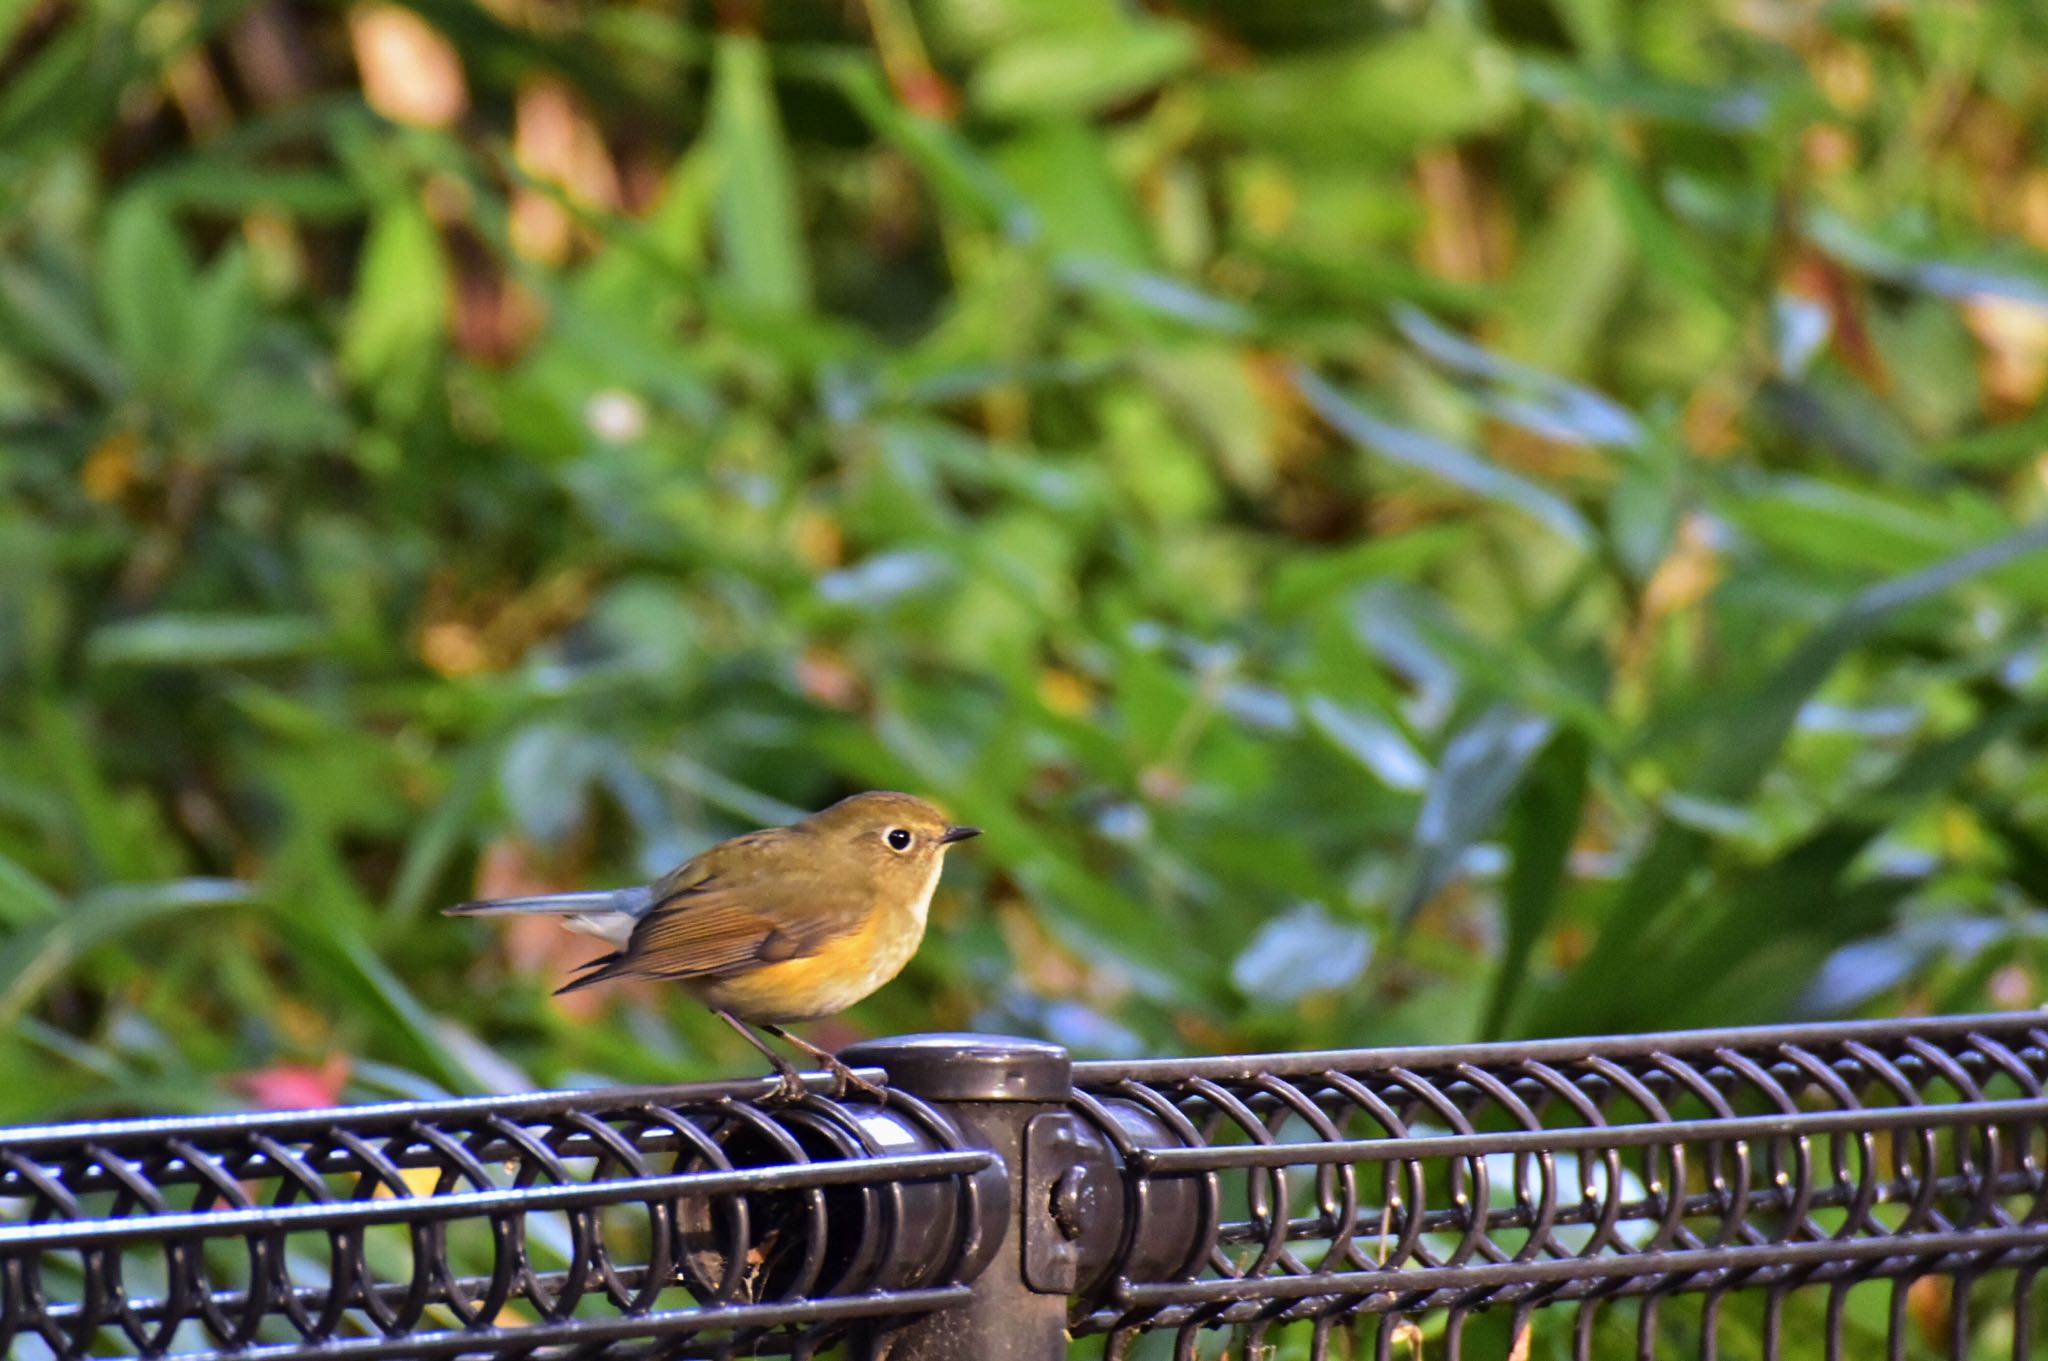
(1405, 521)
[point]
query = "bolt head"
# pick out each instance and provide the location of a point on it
(1073, 1201)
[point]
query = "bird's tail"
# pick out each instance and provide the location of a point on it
(599, 970)
(630, 902)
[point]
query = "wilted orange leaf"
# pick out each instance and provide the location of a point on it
(1927, 1301)
(410, 72)
(2014, 336)
(556, 141)
(1465, 235)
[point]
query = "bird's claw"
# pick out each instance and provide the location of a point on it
(845, 1081)
(790, 1088)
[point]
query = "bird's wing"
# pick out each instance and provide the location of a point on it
(711, 930)
(708, 932)
(727, 860)
(704, 922)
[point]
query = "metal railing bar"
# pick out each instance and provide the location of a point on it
(1676, 1262)
(59, 1234)
(1698, 1131)
(1645, 1211)
(396, 1115)
(588, 1332)
(1654, 1285)
(150, 1308)
(654, 1140)
(1105, 1073)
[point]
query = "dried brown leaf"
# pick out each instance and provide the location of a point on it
(410, 72)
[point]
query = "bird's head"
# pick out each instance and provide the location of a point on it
(897, 835)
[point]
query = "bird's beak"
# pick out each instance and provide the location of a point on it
(953, 834)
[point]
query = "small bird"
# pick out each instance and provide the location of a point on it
(785, 924)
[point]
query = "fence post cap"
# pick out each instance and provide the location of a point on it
(967, 1067)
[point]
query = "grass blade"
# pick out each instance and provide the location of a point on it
(757, 209)
(1446, 462)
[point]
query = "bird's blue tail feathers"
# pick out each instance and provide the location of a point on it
(630, 901)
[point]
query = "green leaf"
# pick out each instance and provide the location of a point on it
(1530, 397)
(398, 312)
(957, 170)
(219, 185)
(1858, 973)
(1839, 526)
(13, 14)
(1446, 462)
(1479, 769)
(1542, 824)
(1158, 294)
(759, 229)
(1999, 447)
(1571, 277)
(23, 897)
(327, 945)
(1374, 741)
(1298, 954)
(205, 639)
(47, 100)
(435, 841)
(45, 317)
(147, 289)
(1657, 887)
(1070, 72)
(1078, 203)
(1410, 89)
(2022, 280)
(66, 750)
(34, 958)
(223, 317)
(546, 777)
(1735, 766)
(1303, 580)
(722, 791)
(1735, 107)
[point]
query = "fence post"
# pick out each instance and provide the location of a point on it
(993, 1086)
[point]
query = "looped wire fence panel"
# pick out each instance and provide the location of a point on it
(672, 1221)
(1825, 1191)
(1429, 1185)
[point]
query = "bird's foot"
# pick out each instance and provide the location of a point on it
(790, 1088)
(845, 1081)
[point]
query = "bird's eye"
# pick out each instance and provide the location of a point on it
(898, 839)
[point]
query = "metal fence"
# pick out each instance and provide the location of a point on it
(1809, 1191)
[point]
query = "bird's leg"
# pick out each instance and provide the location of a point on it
(841, 1074)
(791, 1087)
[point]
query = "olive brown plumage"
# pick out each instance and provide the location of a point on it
(786, 924)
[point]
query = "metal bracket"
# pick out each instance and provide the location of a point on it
(1063, 1194)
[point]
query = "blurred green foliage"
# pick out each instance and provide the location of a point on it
(1404, 521)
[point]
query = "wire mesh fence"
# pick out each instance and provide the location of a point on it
(1820, 1191)
(1440, 1183)
(680, 1220)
